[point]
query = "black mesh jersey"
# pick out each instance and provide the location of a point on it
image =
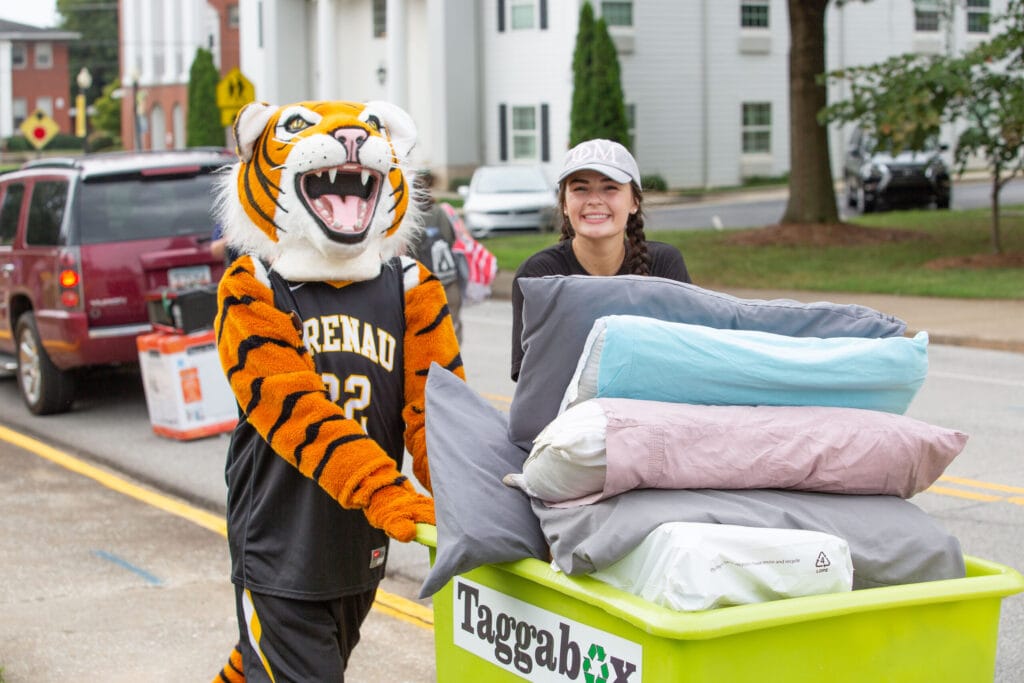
(287, 536)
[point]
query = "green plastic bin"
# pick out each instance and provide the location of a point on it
(523, 620)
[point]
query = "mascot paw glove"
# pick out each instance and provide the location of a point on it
(397, 508)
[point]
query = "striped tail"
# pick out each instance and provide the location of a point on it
(232, 671)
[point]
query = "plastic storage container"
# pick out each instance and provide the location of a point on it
(523, 620)
(187, 395)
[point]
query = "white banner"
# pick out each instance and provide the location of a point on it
(536, 644)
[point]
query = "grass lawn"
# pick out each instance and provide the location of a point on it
(908, 267)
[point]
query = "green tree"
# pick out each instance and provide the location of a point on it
(611, 120)
(97, 49)
(598, 104)
(906, 99)
(108, 112)
(203, 126)
(584, 93)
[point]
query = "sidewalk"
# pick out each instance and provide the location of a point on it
(978, 323)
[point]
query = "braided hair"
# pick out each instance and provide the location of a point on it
(638, 261)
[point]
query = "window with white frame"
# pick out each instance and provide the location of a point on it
(977, 16)
(19, 110)
(617, 13)
(757, 127)
(380, 18)
(45, 104)
(524, 133)
(19, 56)
(44, 55)
(926, 16)
(233, 16)
(754, 13)
(522, 14)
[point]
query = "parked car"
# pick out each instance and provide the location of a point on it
(82, 242)
(509, 198)
(876, 179)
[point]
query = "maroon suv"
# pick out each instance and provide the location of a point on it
(82, 242)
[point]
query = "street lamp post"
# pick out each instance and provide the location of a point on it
(84, 81)
(136, 128)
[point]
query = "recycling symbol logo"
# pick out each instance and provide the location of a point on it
(595, 668)
(822, 562)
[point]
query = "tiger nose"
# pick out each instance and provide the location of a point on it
(352, 139)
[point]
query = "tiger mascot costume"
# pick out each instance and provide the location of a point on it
(325, 331)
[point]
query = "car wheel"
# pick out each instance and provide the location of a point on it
(863, 205)
(44, 387)
(942, 203)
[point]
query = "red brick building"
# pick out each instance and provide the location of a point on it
(34, 75)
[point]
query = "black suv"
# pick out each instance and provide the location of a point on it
(876, 179)
(83, 242)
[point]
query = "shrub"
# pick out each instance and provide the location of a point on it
(654, 182)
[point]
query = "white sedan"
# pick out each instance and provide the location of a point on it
(509, 198)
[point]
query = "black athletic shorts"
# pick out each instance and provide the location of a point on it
(298, 640)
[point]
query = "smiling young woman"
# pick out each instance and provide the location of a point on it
(600, 198)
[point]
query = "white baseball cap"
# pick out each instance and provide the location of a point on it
(604, 156)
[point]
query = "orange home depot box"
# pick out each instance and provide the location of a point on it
(187, 395)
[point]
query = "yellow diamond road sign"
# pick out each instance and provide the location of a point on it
(39, 128)
(233, 92)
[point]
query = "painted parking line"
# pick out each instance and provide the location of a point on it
(387, 603)
(980, 496)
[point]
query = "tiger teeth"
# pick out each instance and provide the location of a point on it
(364, 176)
(332, 174)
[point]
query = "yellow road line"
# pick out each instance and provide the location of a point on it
(970, 495)
(981, 484)
(387, 603)
(497, 398)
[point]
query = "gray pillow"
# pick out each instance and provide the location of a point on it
(891, 540)
(479, 519)
(559, 311)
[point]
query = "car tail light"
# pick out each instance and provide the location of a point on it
(70, 278)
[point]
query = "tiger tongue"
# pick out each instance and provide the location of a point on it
(343, 212)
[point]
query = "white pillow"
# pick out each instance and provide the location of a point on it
(697, 566)
(568, 456)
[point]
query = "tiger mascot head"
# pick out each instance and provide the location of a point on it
(321, 189)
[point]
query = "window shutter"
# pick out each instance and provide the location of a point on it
(545, 145)
(503, 132)
(543, 10)
(501, 16)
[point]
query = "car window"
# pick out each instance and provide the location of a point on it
(133, 208)
(511, 179)
(46, 212)
(10, 209)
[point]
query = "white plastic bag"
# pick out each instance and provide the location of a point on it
(694, 566)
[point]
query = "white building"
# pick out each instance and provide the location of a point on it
(490, 81)
(158, 41)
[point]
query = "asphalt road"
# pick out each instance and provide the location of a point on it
(42, 607)
(742, 210)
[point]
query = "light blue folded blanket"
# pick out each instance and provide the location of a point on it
(629, 356)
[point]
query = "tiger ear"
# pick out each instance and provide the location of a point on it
(400, 125)
(249, 123)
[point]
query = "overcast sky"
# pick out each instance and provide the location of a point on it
(41, 13)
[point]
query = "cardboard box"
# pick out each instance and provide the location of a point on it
(187, 395)
(523, 620)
